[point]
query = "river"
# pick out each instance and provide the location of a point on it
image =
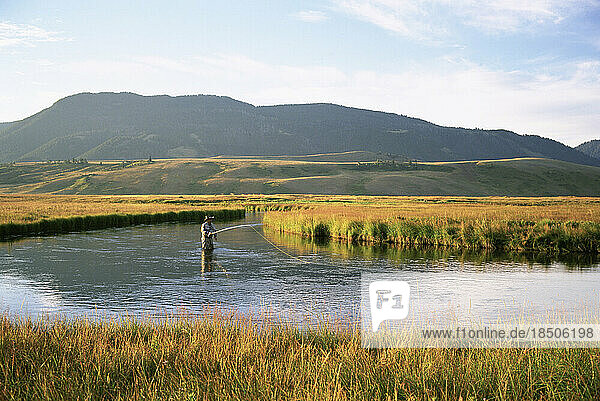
(160, 269)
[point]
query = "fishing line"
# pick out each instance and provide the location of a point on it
(278, 248)
(263, 237)
(284, 252)
(221, 266)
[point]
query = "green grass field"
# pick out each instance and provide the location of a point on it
(317, 174)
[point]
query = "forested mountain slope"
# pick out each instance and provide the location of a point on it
(129, 126)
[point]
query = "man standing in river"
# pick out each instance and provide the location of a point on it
(207, 229)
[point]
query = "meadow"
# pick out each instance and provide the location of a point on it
(26, 208)
(314, 174)
(29, 208)
(222, 355)
(544, 224)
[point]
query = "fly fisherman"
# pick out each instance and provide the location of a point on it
(208, 233)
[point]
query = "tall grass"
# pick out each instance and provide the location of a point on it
(84, 223)
(549, 236)
(32, 208)
(556, 225)
(223, 356)
(19, 208)
(437, 255)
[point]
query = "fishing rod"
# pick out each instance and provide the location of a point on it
(234, 227)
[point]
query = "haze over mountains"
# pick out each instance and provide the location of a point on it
(130, 126)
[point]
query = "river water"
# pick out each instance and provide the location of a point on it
(160, 269)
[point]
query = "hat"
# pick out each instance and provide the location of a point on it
(209, 218)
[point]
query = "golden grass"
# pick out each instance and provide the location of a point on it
(21, 208)
(562, 224)
(459, 208)
(551, 225)
(221, 356)
(522, 176)
(23, 215)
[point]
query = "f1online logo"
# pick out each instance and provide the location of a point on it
(388, 301)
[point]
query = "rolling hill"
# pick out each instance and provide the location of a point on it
(512, 177)
(590, 148)
(5, 126)
(127, 126)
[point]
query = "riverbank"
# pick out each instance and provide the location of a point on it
(101, 221)
(19, 208)
(392, 226)
(223, 356)
(548, 224)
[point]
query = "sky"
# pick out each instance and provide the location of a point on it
(532, 67)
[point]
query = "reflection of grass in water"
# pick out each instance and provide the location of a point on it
(222, 356)
(346, 250)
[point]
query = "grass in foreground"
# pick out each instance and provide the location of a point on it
(221, 356)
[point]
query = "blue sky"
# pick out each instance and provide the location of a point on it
(529, 66)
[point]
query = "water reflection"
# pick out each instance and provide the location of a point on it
(207, 261)
(153, 269)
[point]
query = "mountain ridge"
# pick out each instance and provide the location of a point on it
(590, 148)
(126, 125)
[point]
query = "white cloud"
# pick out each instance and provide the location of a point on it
(514, 15)
(12, 34)
(310, 16)
(562, 107)
(435, 17)
(400, 17)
